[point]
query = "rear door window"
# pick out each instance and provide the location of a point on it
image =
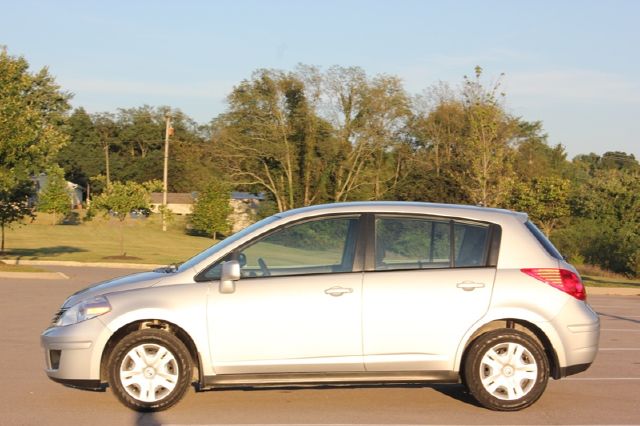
(470, 244)
(425, 243)
(412, 243)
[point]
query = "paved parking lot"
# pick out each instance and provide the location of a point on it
(608, 393)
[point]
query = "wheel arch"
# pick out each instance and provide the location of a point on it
(519, 324)
(167, 326)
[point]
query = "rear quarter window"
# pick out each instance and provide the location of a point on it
(543, 240)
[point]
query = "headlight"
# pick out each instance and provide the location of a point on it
(84, 310)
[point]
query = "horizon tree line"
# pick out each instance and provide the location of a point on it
(309, 136)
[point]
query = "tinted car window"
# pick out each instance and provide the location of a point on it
(470, 244)
(410, 243)
(203, 255)
(315, 247)
(414, 243)
(544, 241)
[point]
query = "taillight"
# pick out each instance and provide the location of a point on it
(562, 279)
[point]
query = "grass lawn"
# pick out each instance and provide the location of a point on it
(19, 268)
(99, 239)
(596, 281)
(144, 242)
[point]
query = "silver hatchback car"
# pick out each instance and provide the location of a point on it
(340, 293)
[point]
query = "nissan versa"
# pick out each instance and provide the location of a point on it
(341, 293)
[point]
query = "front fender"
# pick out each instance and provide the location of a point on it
(184, 305)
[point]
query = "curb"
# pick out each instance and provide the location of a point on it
(35, 275)
(613, 291)
(74, 263)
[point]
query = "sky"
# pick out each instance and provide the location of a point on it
(574, 65)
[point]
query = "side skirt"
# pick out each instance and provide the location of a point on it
(320, 379)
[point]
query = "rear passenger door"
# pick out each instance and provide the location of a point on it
(427, 281)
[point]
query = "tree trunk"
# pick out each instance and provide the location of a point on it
(2, 245)
(547, 226)
(106, 159)
(122, 253)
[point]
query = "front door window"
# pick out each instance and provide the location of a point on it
(316, 247)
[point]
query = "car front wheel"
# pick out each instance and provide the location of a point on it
(506, 370)
(149, 370)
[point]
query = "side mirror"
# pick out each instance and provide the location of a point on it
(230, 274)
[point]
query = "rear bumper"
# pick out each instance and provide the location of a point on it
(573, 369)
(578, 328)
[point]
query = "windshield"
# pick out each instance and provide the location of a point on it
(224, 243)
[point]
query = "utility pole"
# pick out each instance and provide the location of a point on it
(106, 160)
(168, 131)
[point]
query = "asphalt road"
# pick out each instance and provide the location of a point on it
(608, 393)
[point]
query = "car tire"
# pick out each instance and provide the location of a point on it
(506, 370)
(149, 370)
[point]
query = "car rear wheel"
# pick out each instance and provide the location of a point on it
(506, 370)
(149, 370)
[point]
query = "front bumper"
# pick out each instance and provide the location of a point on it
(73, 353)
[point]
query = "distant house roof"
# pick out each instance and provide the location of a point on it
(173, 198)
(189, 197)
(235, 195)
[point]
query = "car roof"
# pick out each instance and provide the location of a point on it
(407, 207)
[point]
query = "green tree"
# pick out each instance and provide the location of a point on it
(345, 89)
(545, 199)
(118, 200)
(436, 129)
(14, 206)
(619, 160)
(310, 137)
(193, 161)
(32, 114)
(605, 228)
(267, 138)
(106, 130)
(211, 210)
(463, 145)
(54, 197)
(487, 159)
(386, 113)
(439, 128)
(81, 158)
(129, 145)
(533, 155)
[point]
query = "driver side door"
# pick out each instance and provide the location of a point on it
(297, 306)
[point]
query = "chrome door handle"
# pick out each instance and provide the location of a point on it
(338, 291)
(469, 285)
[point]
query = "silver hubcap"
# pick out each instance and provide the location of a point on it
(508, 371)
(149, 372)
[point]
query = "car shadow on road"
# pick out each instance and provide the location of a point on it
(455, 391)
(146, 419)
